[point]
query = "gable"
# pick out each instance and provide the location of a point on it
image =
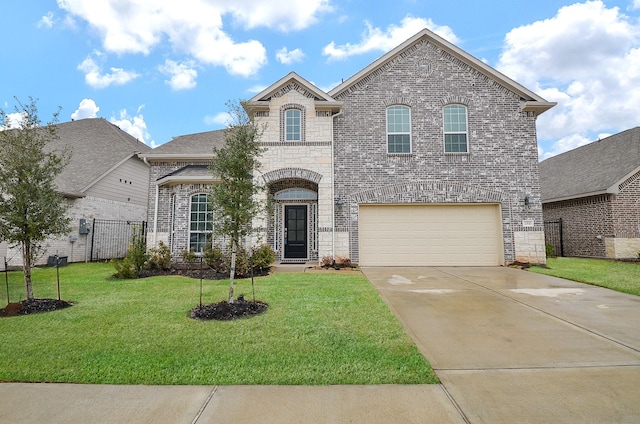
(434, 50)
(96, 146)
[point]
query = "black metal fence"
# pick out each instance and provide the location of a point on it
(553, 236)
(110, 239)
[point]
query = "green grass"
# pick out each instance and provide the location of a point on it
(620, 276)
(320, 329)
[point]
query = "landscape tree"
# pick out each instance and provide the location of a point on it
(31, 210)
(235, 200)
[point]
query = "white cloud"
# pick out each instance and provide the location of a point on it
(256, 88)
(287, 57)
(12, 120)
(564, 144)
(635, 5)
(46, 21)
(193, 27)
(221, 119)
(134, 125)
(376, 39)
(96, 79)
(183, 75)
(86, 109)
(586, 58)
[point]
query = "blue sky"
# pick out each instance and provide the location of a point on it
(163, 68)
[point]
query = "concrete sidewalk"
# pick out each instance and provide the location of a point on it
(22, 403)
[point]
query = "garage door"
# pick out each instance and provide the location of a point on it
(430, 235)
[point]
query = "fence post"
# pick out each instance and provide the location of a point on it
(561, 237)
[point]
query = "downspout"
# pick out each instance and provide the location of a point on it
(333, 188)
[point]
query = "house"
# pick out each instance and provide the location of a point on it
(425, 157)
(595, 190)
(104, 180)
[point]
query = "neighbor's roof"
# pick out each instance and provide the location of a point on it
(190, 146)
(596, 168)
(532, 101)
(190, 174)
(97, 147)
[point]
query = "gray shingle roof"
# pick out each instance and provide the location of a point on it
(199, 143)
(595, 168)
(96, 146)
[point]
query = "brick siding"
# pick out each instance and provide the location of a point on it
(501, 166)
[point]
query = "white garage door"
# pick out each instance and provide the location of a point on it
(430, 235)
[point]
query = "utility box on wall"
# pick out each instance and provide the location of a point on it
(83, 227)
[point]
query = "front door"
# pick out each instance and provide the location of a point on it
(295, 231)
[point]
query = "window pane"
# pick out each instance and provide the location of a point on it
(398, 119)
(292, 124)
(201, 223)
(455, 143)
(455, 118)
(399, 144)
(399, 129)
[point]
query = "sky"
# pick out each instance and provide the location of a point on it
(163, 68)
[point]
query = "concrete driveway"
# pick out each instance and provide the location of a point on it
(513, 346)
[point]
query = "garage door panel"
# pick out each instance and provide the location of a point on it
(430, 235)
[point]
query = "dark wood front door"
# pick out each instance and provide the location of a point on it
(295, 231)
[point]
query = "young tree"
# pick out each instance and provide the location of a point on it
(31, 210)
(235, 201)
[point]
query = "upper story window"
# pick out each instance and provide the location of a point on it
(200, 223)
(398, 129)
(455, 129)
(293, 125)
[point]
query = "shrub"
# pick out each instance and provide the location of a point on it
(326, 261)
(343, 261)
(189, 256)
(217, 259)
(160, 257)
(263, 257)
(550, 250)
(136, 259)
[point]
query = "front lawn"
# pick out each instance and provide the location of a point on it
(621, 276)
(319, 329)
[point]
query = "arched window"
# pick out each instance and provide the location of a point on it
(200, 223)
(398, 129)
(455, 129)
(296, 194)
(293, 125)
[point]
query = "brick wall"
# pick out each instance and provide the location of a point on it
(501, 166)
(626, 208)
(586, 223)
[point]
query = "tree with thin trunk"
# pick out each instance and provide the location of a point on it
(235, 200)
(31, 210)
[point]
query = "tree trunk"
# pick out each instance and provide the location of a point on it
(26, 268)
(232, 270)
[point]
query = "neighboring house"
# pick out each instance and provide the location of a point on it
(426, 157)
(105, 179)
(595, 190)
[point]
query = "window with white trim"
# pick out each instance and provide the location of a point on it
(398, 129)
(293, 125)
(455, 129)
(200, 223)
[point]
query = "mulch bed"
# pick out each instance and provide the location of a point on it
(224, 311)
(33, 306)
